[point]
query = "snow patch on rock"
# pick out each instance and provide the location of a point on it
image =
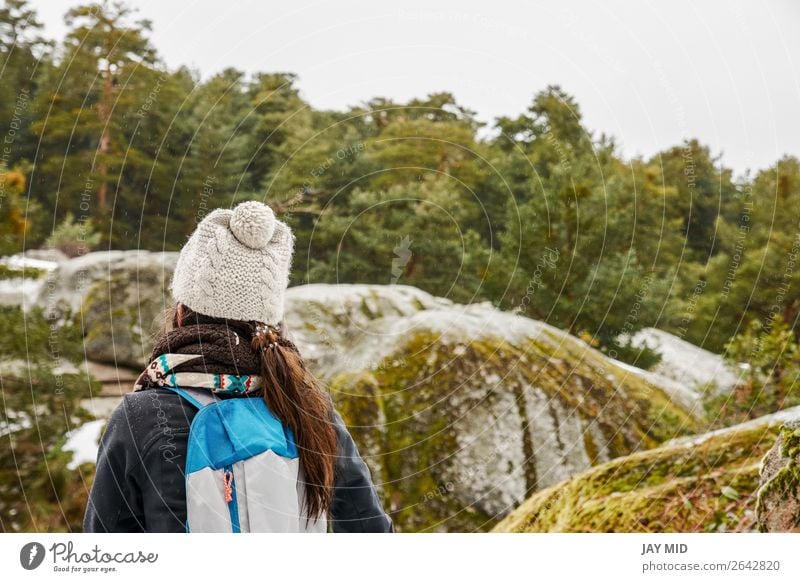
(24, 261)
(14, 421)
(20, 291)
(775, 419)
(23, 290)
(686, 363)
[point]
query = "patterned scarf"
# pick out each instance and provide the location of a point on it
(214, 356)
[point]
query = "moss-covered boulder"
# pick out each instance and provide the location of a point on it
(116, 297)
(778, 504)
(123, 305)
(703, 483)
(463, 411)
(67, 286)
(327, 320)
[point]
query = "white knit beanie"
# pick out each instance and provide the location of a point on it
(236, 265)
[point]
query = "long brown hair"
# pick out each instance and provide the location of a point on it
(293, 394)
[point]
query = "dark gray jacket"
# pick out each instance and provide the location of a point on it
(140, 482)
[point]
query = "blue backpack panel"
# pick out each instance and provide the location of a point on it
(243, 472)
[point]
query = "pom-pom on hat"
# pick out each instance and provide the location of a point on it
(236, 265)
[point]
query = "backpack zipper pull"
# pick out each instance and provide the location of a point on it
(227, 479)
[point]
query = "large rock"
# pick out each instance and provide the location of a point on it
(689, 365)
(68, 285)
(118, 297)
(326, 320)
(778, 506)
(701, 483)
(463, 411)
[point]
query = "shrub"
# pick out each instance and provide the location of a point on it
(73, 238)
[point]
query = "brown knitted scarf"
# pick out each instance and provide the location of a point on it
(223, 349)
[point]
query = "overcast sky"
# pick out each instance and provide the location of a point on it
(648, 73)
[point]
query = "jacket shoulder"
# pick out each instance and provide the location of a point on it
(145, 416)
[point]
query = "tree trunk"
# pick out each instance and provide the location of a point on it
(105, 138)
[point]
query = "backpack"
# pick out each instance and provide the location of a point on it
(243, 472)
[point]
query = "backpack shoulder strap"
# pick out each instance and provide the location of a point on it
(199, 397)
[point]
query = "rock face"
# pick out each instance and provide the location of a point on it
(119, 297)
(703, 483)
(689, 365)
(462, 411)
(778, 506)
(68, 285)
(22, 276)
(326, 320)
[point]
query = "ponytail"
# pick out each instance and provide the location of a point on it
(292, 394)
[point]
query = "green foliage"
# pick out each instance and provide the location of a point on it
(409, 234)
(771, 354)
(33, 337)
(570, 247)
(643, 357)
(38, 491)
(73, 238)
(540, 216)
(15, 218)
